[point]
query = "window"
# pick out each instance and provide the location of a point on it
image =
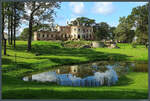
(43, 35)
(87, 36)
(78, 36)
(79, 29)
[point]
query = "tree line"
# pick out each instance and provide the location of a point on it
(11, 15)
(35, 13)
(134, 26)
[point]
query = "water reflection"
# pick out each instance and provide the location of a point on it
(91, 74)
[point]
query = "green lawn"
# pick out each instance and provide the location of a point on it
(52, 54)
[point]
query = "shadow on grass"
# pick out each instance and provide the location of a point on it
(50, 49)
(124, 80)
(90, 54)
(6, 60)
(74, 94)
(57, 49)
(70, 56)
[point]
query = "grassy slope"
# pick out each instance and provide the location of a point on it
(53, 54)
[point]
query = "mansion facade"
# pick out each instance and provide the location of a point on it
(66, 33)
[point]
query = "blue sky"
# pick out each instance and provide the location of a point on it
(100, 11)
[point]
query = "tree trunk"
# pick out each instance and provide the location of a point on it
(14, 26)
(3, 24)
(30, 32)
(5, 46)
(11, 27)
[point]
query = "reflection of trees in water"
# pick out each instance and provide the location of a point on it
(143, 67)
(78, 71)
(63, 70)
(85, 70)
(102, 69)
(81, 71)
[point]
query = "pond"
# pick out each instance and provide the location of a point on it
(90, 74)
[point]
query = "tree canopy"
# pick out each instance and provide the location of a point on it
(102, 31)
(124, 32)
(134, 25)
(37, 12)
(140, 18)
(83, 21)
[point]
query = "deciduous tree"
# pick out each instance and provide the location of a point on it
(39, 11)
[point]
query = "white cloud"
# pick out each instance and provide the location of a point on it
(28, 11)
(77, 7)
(139, 3)
(104, 8)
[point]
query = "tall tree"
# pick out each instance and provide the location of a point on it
(134, 25)
(5, 42)
(102, 31)
(112, 33)
(18, 12)
(83, 21)
(36, 12)
(4, 9)
(4, 5)
(140, 20)
(11, 27)
(124, 32)
(8, 23)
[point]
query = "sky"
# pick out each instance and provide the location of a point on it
(100, 11)
(108, 12)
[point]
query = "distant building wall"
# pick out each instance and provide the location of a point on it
(66, 33)
(82, 32)
(45, 35)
